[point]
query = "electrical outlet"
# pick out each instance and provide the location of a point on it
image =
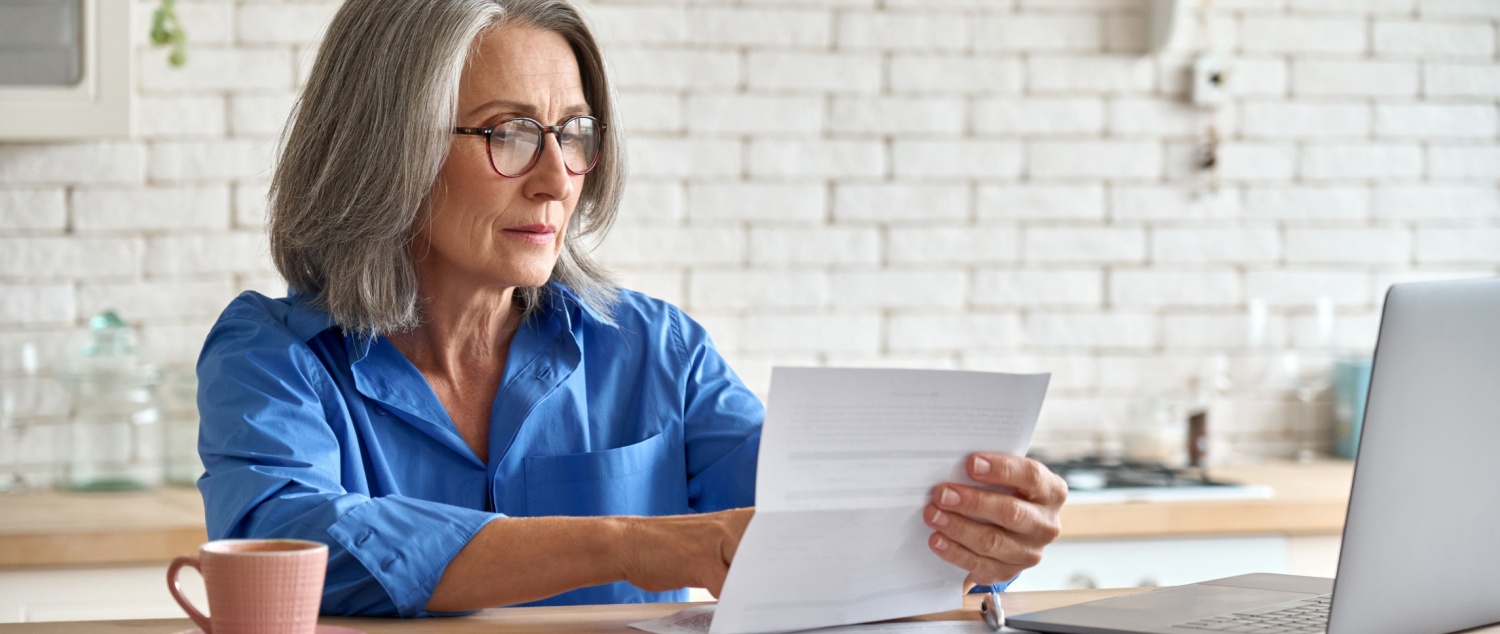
(1210, 82)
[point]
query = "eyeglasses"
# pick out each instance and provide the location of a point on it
(515, 145)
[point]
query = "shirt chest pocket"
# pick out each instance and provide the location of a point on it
(645, 478)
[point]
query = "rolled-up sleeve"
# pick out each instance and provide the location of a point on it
(721, 422)
(277, 450)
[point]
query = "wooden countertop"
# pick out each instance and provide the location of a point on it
(62, 529)
(1309, 499)
(585, 619)
(82, 529)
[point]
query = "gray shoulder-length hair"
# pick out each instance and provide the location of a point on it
(369, 135)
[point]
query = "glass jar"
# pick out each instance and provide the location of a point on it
(113, 438)
(178, 396)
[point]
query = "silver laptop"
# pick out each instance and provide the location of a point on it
(1421, 549)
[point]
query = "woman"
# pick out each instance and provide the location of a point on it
(454, 397)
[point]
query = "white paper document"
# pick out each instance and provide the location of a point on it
(848, 458)
(696, 621)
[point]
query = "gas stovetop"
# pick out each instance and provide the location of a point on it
(1095, 480)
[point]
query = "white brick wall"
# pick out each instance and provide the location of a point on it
(1114, 74)
(1215, 245)
(1040, 32)
(1300, 204)
(1150, 288)
(1439, 121)
(283, 23)
(1040, 201)
(1040, 116)
(814, 72)
(945, 74)
(1050, 287)
(186, 116)
(919, 183)
(850, 246)
(1328, 161)
(1305, 120)
(153, 208)
(756, 202)
(28, 209)
(754, 115)
(816, 159)
(109, 162)
(1461, 80)
(903, 31)
(1435, 39)
(1096, 159)
(1354, 78)
(900, 203)
(1298, 34)
(1101, 245)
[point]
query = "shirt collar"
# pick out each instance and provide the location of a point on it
(305, 319)
(560, 297)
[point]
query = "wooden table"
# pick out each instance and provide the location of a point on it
(571, 620)
(558, 620)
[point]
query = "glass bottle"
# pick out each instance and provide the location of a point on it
(113, 437)
(178, 396)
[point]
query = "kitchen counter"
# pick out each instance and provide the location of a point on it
(85, 529)
(1309, 499)
(77, 529)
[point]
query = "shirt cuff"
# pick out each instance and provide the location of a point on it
(406, 544)
(998, 587)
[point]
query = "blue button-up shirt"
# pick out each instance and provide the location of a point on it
(309, 432)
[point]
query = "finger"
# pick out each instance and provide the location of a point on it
(1031, 479)
(981, 570)
(985, 540)
(1025, 519)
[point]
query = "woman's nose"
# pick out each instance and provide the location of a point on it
(550, 179)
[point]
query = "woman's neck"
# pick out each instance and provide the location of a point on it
(465, 327)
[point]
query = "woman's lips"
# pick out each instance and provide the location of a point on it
(533, 234)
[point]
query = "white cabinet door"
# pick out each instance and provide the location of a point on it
(94, 594)
(1128, 563)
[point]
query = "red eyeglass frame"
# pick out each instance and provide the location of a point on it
(554, 130)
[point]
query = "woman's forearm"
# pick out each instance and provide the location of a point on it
(519, 559)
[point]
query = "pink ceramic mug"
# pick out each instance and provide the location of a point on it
(260, 586)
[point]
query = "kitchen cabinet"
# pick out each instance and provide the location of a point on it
(94, 594)
(1296, 531)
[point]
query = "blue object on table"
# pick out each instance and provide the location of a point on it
(1351, 388)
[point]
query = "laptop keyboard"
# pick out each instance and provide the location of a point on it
(1308, 616)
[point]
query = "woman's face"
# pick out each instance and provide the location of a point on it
(486, 228)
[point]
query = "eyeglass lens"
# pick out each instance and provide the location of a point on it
(515, 145)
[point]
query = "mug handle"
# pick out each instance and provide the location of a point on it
(176, 588)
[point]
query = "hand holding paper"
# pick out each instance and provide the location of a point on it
(997, 535)
(848, 460)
